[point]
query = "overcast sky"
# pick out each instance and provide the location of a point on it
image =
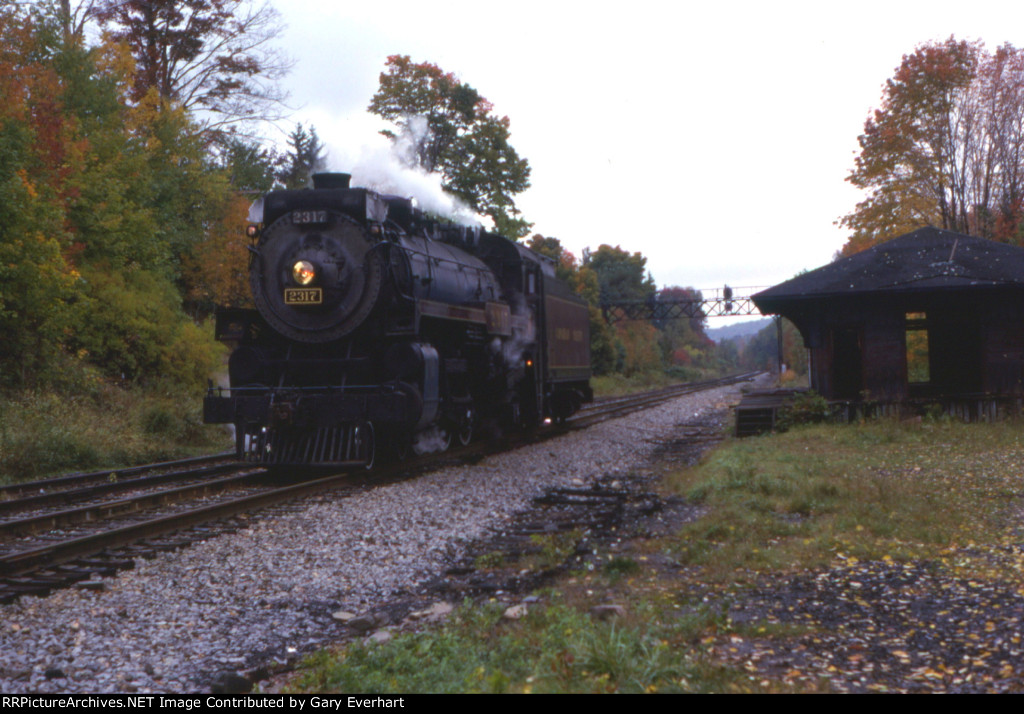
(714, 138)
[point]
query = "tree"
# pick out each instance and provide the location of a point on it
(101, 199)
(637, 342)
(251, 168)
(444, 125)
(216, 271)
(683, 340)
(305, 157)
(214, 57)
(762, 351)
(37, 152)
(620, 275)
(945, 149)
(69, 21)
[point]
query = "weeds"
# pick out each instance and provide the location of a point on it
(619, 384)
(43, 433)
(551, 550)
(618, 567)
(554, 649)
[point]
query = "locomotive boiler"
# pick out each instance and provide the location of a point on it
(379, 330)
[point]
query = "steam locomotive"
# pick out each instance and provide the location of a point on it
(377, 329)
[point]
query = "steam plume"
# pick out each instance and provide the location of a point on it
(389, 167)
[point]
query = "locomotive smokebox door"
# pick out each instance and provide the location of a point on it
(317, 276)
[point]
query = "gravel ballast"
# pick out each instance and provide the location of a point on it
(266, 593)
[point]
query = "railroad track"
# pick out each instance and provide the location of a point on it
(613, 407)
(69, 530)
(83, 479)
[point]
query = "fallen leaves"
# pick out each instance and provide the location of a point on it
(877, 626)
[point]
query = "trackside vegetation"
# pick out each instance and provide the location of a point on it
(909, 513)
(43, 432)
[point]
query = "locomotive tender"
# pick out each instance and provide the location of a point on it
(377, 329)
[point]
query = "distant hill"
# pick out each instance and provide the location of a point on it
(738, 329)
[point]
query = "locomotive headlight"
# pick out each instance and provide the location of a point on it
(303, 272)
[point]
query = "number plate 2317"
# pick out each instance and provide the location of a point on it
(303, 296)
(303, 217)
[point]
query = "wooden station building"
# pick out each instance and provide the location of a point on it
(932, 315)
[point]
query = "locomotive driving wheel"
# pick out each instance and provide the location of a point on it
(366, 444)
(464, 432)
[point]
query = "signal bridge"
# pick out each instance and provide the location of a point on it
(725, 302)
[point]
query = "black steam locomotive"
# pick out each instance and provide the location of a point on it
(379, 329)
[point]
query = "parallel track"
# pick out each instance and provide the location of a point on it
(57, 560)
(81, 480)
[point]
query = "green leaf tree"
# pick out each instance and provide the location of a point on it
(251, 167)
(620, 274)
(682, 339)
(442, 124)
(305, 156)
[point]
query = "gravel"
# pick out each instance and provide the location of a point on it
(265, 594)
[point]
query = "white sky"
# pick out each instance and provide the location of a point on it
(714, 138)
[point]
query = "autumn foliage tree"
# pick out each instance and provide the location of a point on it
(444, 125)
(946, 147)
(682, 339)
(211, 56)
(37, 155)
(608, 275)
(103, 198)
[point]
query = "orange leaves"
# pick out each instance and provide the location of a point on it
(945, 147)
(639, 342)
(217, 269)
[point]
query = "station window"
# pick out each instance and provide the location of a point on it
(918, 371)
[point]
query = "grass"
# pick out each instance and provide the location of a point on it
(614, 385)
(44, 433)
(811, 499)
(871, 491)
(553, 649)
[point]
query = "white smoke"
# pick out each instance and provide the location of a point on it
(431, 440)
(415, 134)
(390, 168)
(513, 349)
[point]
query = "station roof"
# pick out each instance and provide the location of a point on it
(928, 259)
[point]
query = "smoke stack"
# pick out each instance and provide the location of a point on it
(331, 180)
